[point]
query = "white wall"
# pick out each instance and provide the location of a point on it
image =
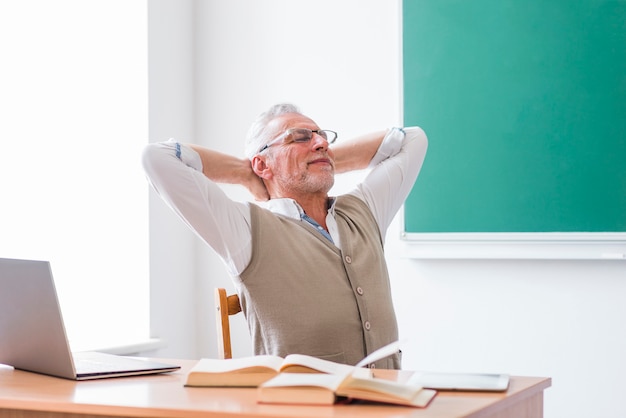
(171, 113)
(214, 65)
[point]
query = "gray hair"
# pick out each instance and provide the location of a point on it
(257, 137)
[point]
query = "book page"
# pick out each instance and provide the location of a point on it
(242, 364)
(299, 363)
(381, 353)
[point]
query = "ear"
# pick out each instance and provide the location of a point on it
(260, 167)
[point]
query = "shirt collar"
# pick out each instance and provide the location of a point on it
(290, 208)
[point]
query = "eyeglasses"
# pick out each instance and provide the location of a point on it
(300, 135)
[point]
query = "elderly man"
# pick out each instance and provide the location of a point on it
(309, 268)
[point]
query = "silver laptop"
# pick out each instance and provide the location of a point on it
(32, 333)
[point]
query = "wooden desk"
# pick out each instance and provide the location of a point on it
(24, 394)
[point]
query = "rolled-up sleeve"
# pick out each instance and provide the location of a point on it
(175, 172)
(394, 169)
(390, 146)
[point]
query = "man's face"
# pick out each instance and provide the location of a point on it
(298, 168)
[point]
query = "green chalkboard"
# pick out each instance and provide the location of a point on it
(524, 105)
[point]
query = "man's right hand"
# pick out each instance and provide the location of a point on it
(257, 188)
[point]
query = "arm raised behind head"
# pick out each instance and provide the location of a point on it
(357, 153)
(224, 168)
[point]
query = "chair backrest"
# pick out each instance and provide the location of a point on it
(226, 306)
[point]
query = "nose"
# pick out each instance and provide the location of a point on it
(319, 142)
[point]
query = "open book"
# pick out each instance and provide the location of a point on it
(252, 371)
(327, 389)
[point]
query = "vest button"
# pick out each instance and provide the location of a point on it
(368, 325)
(359, 290)
(348, 259)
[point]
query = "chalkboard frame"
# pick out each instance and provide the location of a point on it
(548, 246)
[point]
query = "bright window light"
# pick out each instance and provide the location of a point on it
(73, 110)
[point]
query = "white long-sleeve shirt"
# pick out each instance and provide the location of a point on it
(175, 172)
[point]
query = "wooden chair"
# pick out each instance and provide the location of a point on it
(226, 306)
